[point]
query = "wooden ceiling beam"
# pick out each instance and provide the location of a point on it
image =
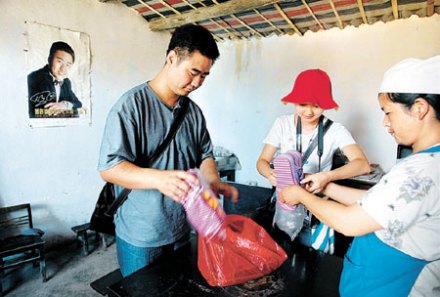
(361, 9)
(205, 13)
(312, 14)
(395, 9)
(286, 18)
(246, 25)
(151, 8)
(164, 3)
(179, 13)
(429, 8)
(231, 34)
(268, 21)
(241, 22)
(341, 25)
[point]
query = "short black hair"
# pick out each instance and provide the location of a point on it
(60, 46)
(408, 99)
(190, 38)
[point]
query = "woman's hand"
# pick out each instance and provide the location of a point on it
(272, 178)
(263, 164)
(316, 183)
(291, 195)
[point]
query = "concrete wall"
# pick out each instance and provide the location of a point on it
(55, 168)
(241, 98)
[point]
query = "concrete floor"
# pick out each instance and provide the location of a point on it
(69, 273)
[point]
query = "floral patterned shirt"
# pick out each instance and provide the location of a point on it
(406, 203)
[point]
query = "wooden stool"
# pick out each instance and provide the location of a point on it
(81, 234)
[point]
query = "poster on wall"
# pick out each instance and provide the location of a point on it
(58, 76)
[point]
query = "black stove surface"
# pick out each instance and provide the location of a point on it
(304, 273)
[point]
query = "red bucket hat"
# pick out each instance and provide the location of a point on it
(312, 86)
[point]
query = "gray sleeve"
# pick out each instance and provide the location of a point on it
(118, 141)
(206, 147)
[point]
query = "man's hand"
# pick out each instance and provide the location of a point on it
(172, 183)
(226, 190)
(62, 105)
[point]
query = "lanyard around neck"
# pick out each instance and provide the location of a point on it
(314, 142)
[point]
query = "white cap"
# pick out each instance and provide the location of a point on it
(417, 76)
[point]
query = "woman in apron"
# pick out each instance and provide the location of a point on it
(396, 222)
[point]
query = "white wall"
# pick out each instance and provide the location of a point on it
(55, 168)
(241, 97)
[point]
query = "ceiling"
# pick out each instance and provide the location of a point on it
(245, 19)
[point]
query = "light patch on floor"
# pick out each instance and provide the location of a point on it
(69, 273)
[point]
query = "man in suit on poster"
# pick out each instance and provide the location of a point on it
(49, 90)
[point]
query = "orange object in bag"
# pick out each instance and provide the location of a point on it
(242, 251)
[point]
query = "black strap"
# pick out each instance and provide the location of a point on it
(298, 136)
(317, 140)
(160, 149)
(173, 130)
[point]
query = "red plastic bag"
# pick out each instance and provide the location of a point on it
(245, 251)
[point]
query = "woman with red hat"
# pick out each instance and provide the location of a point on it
(312, 95)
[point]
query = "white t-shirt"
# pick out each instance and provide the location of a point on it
(282, 135)
(406, 203)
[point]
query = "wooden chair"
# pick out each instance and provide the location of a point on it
(20, 243)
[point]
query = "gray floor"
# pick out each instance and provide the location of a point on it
(69, 273)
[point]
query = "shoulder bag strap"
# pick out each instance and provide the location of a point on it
(173, 130)
(160, 149)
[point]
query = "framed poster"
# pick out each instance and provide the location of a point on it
(58, 76)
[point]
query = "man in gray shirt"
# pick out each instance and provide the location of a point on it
(152, 220)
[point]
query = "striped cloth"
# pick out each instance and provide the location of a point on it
(289, 172)
(323, 238)
(202, 207)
